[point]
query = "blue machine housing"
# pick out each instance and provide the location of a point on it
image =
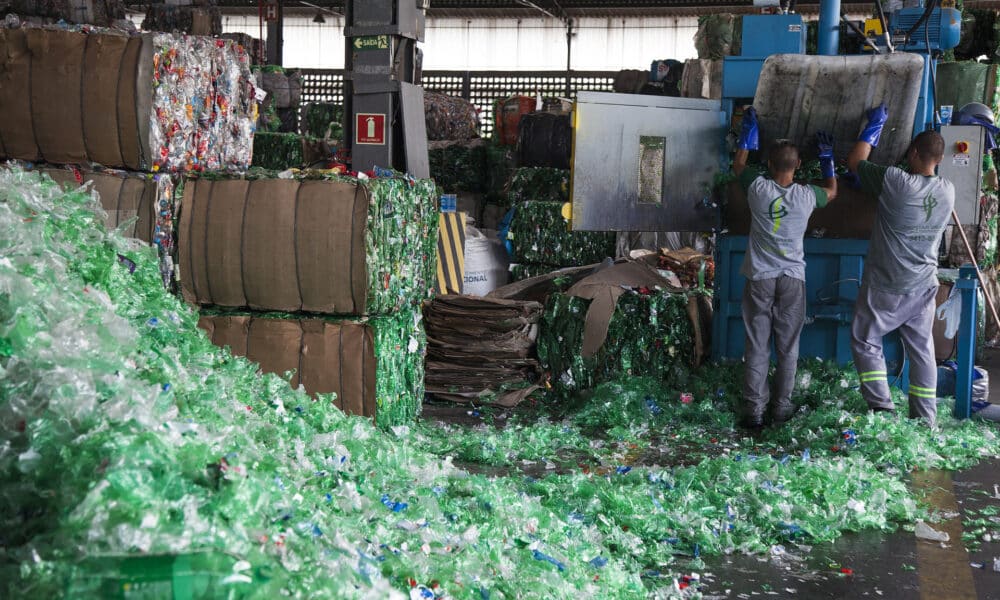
(943, 28)
(833, 267)
(833, 275)
(763, 35)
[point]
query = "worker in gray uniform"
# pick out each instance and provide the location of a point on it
(900, 277)
(774, 297)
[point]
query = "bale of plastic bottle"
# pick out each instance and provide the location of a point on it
(540, 234)
(649, 333)
(192, 20)
(538, 184)
(323, 120)
(459, 166)
(545, 140)
(449, 117)
(718, 36)
(372, 368)
(316, 243)
(136, 102)
(277, 151)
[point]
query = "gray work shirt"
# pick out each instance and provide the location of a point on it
(913, 211)
(778, 220)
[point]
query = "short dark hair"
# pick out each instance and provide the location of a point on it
(929, 146)
(783, 155)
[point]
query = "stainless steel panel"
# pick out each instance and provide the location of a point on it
(645, 163)
(964, 169)
(414, 130)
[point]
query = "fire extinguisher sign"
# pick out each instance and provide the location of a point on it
(369, 128)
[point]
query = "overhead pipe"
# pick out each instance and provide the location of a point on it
(829, 27)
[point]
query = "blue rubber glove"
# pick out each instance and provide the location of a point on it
(748, 139)
(876, 121)
(853, 180)
(824, 143)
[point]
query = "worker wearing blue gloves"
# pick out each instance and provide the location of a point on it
(900, 277)
(774, 298)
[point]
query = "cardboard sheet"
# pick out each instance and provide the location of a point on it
(274, 244)
(603, 288)
(123, 197)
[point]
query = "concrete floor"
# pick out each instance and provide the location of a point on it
(868, 564)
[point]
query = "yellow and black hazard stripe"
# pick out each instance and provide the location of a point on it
(451, 253)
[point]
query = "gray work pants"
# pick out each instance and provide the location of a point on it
(775, 306)
(876, 314)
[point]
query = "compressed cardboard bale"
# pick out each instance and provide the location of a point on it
(193, 20)
(278, 151)
(325, 244)
(150, 102)
(798, 95)
(375, 367)
(450, 118)
(539, 234)
(148, 199)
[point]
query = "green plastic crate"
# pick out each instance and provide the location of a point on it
(161, 577)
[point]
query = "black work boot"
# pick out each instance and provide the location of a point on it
(781, 413)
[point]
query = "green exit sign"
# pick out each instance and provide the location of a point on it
(371, 42)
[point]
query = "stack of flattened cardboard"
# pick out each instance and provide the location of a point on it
(481, 350)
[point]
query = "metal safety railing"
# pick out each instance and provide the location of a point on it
(481, 88)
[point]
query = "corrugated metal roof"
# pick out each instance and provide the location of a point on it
(523, 8)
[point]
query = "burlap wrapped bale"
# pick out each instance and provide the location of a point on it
(143, 203)
(319, 244)
(146, 102)
(375, 367)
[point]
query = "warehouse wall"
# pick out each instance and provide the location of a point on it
(502, 44)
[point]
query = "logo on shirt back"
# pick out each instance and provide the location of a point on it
(930, 203)
(776, 211)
